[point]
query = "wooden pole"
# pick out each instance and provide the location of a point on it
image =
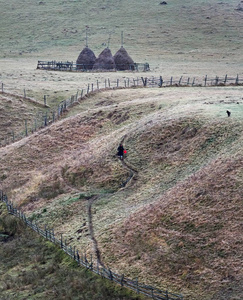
(26, 129)
(122, 39)
(205, 84)
(237, 79)
(225, 79)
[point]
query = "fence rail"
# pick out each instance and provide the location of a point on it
(51, 115)
(82, 259)
(74, 67)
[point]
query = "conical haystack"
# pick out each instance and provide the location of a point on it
(123, 61)
(86, 59)
(105, 61)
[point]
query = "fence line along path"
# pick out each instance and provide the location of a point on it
(53, 115)
(89, 263)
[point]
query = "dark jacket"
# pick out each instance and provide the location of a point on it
(120, 150)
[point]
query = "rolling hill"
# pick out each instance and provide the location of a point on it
(177, 223)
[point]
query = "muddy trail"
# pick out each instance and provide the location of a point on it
(132, 174)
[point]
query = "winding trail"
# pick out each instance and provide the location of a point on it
(132, 174)
(91, 230)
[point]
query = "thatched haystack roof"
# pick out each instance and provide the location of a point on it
(123, 61)
(105, 61)
(86, 59)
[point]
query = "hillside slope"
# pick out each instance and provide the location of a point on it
(178, 222)
(32, 268)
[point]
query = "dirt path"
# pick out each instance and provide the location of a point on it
(132, 174)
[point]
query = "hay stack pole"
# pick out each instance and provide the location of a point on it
(122, 39)
(109, 39)
(86, 38)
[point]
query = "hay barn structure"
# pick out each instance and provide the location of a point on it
(86, 59)
(123, 61)
(105, 61)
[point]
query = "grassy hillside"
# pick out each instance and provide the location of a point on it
(170, 226)
(177, 222)
(34, 269)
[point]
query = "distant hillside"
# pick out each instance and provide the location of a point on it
(150, 29)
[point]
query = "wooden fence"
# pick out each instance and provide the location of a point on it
(73, 67)
(46, 118)
(90, 263)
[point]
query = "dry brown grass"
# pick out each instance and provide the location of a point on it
(173, 224)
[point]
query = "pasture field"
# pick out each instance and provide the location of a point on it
(177, 223)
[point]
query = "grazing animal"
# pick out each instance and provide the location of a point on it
(228, 113)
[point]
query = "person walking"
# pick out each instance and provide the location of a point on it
(120, 151)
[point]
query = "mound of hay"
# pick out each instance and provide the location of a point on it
(105, 61)
(86, 59)
(123, 61)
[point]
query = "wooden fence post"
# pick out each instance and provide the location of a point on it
(237, 80)
(205, 80)
(98, 85)
(26, 129)
(188, 81)
(117, 83)
(109, 83)
(137, 285)
(45, 120)
(92, 85)
(82, 93)
(46, 231)
(180, 80)
(171, 80)
(216, 80)
(152, 293)
(88, 89)
(193, 81)
(44, 99)
(2, 87)
(122, 280)
(105, 83)
(225, 79)
(144, 80)
(110, 275)
(160, 81)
